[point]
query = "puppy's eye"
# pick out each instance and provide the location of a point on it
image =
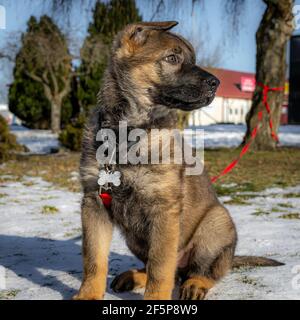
(173, 59)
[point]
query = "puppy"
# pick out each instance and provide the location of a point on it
(171, 221)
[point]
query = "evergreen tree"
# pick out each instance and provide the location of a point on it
(108, 19)
(42, 76)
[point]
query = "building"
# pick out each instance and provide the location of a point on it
(232, 102)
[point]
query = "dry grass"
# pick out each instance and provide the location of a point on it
(55, 168)
(255, 172)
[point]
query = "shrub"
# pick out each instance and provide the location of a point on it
(71, 136)
(8, 141)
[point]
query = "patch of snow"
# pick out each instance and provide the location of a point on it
(228, 135)
(42, 256)
(37, 141)
(215, 136)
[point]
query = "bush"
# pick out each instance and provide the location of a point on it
(71, 136)
(8, 141)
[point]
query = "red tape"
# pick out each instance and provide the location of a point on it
(245, 148)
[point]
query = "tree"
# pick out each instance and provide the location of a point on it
(271, 41)
(45, 59)
(272, 36)
(28, 102)
(108, 20)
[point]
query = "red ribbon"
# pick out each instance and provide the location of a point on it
(245, 149)
(266, 90)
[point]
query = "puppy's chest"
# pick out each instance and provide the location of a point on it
(129, 200)
(142, 192)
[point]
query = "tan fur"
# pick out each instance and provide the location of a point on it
(195, 288)
(130, 280)
(97, 233)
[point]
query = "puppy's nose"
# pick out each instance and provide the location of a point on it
(213, 82)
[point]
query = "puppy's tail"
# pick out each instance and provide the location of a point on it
(253, 261)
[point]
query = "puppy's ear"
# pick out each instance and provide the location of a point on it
(141, 31)
(136, 35)
(163, 25)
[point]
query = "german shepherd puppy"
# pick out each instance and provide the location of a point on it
(172, 222)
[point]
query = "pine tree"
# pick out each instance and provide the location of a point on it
(42, 76)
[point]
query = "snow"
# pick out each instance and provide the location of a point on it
(37, 141)
(215, 136)
(41, 252)
(229, 135)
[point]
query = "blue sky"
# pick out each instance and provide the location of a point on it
(205, 24)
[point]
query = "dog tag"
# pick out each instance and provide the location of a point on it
(109, 177)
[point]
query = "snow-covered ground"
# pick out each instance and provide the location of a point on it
(37, 141)
(215, 136)
(229, 135)
(40, 245)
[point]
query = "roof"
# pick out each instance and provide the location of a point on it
(230, 86)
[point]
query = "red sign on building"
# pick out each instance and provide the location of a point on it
(247, 84)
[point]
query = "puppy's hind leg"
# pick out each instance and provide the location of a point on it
(212, 254)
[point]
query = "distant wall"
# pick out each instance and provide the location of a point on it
(221, 110)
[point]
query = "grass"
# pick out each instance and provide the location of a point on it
(275, 209)
(8, 294)
(255, 172)
(260, 212)
(49, 210)
(73, 233)
(285, 205)
(291, 216)
(291, 195)
(55, 168)
(236, 200)
(247, 280)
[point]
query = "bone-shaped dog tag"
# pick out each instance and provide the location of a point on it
(109, 177)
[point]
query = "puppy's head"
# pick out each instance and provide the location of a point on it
(156, 66)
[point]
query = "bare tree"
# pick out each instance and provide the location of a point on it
(45, 58)
(271, 42)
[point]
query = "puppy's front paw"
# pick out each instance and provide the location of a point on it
(89, 292)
